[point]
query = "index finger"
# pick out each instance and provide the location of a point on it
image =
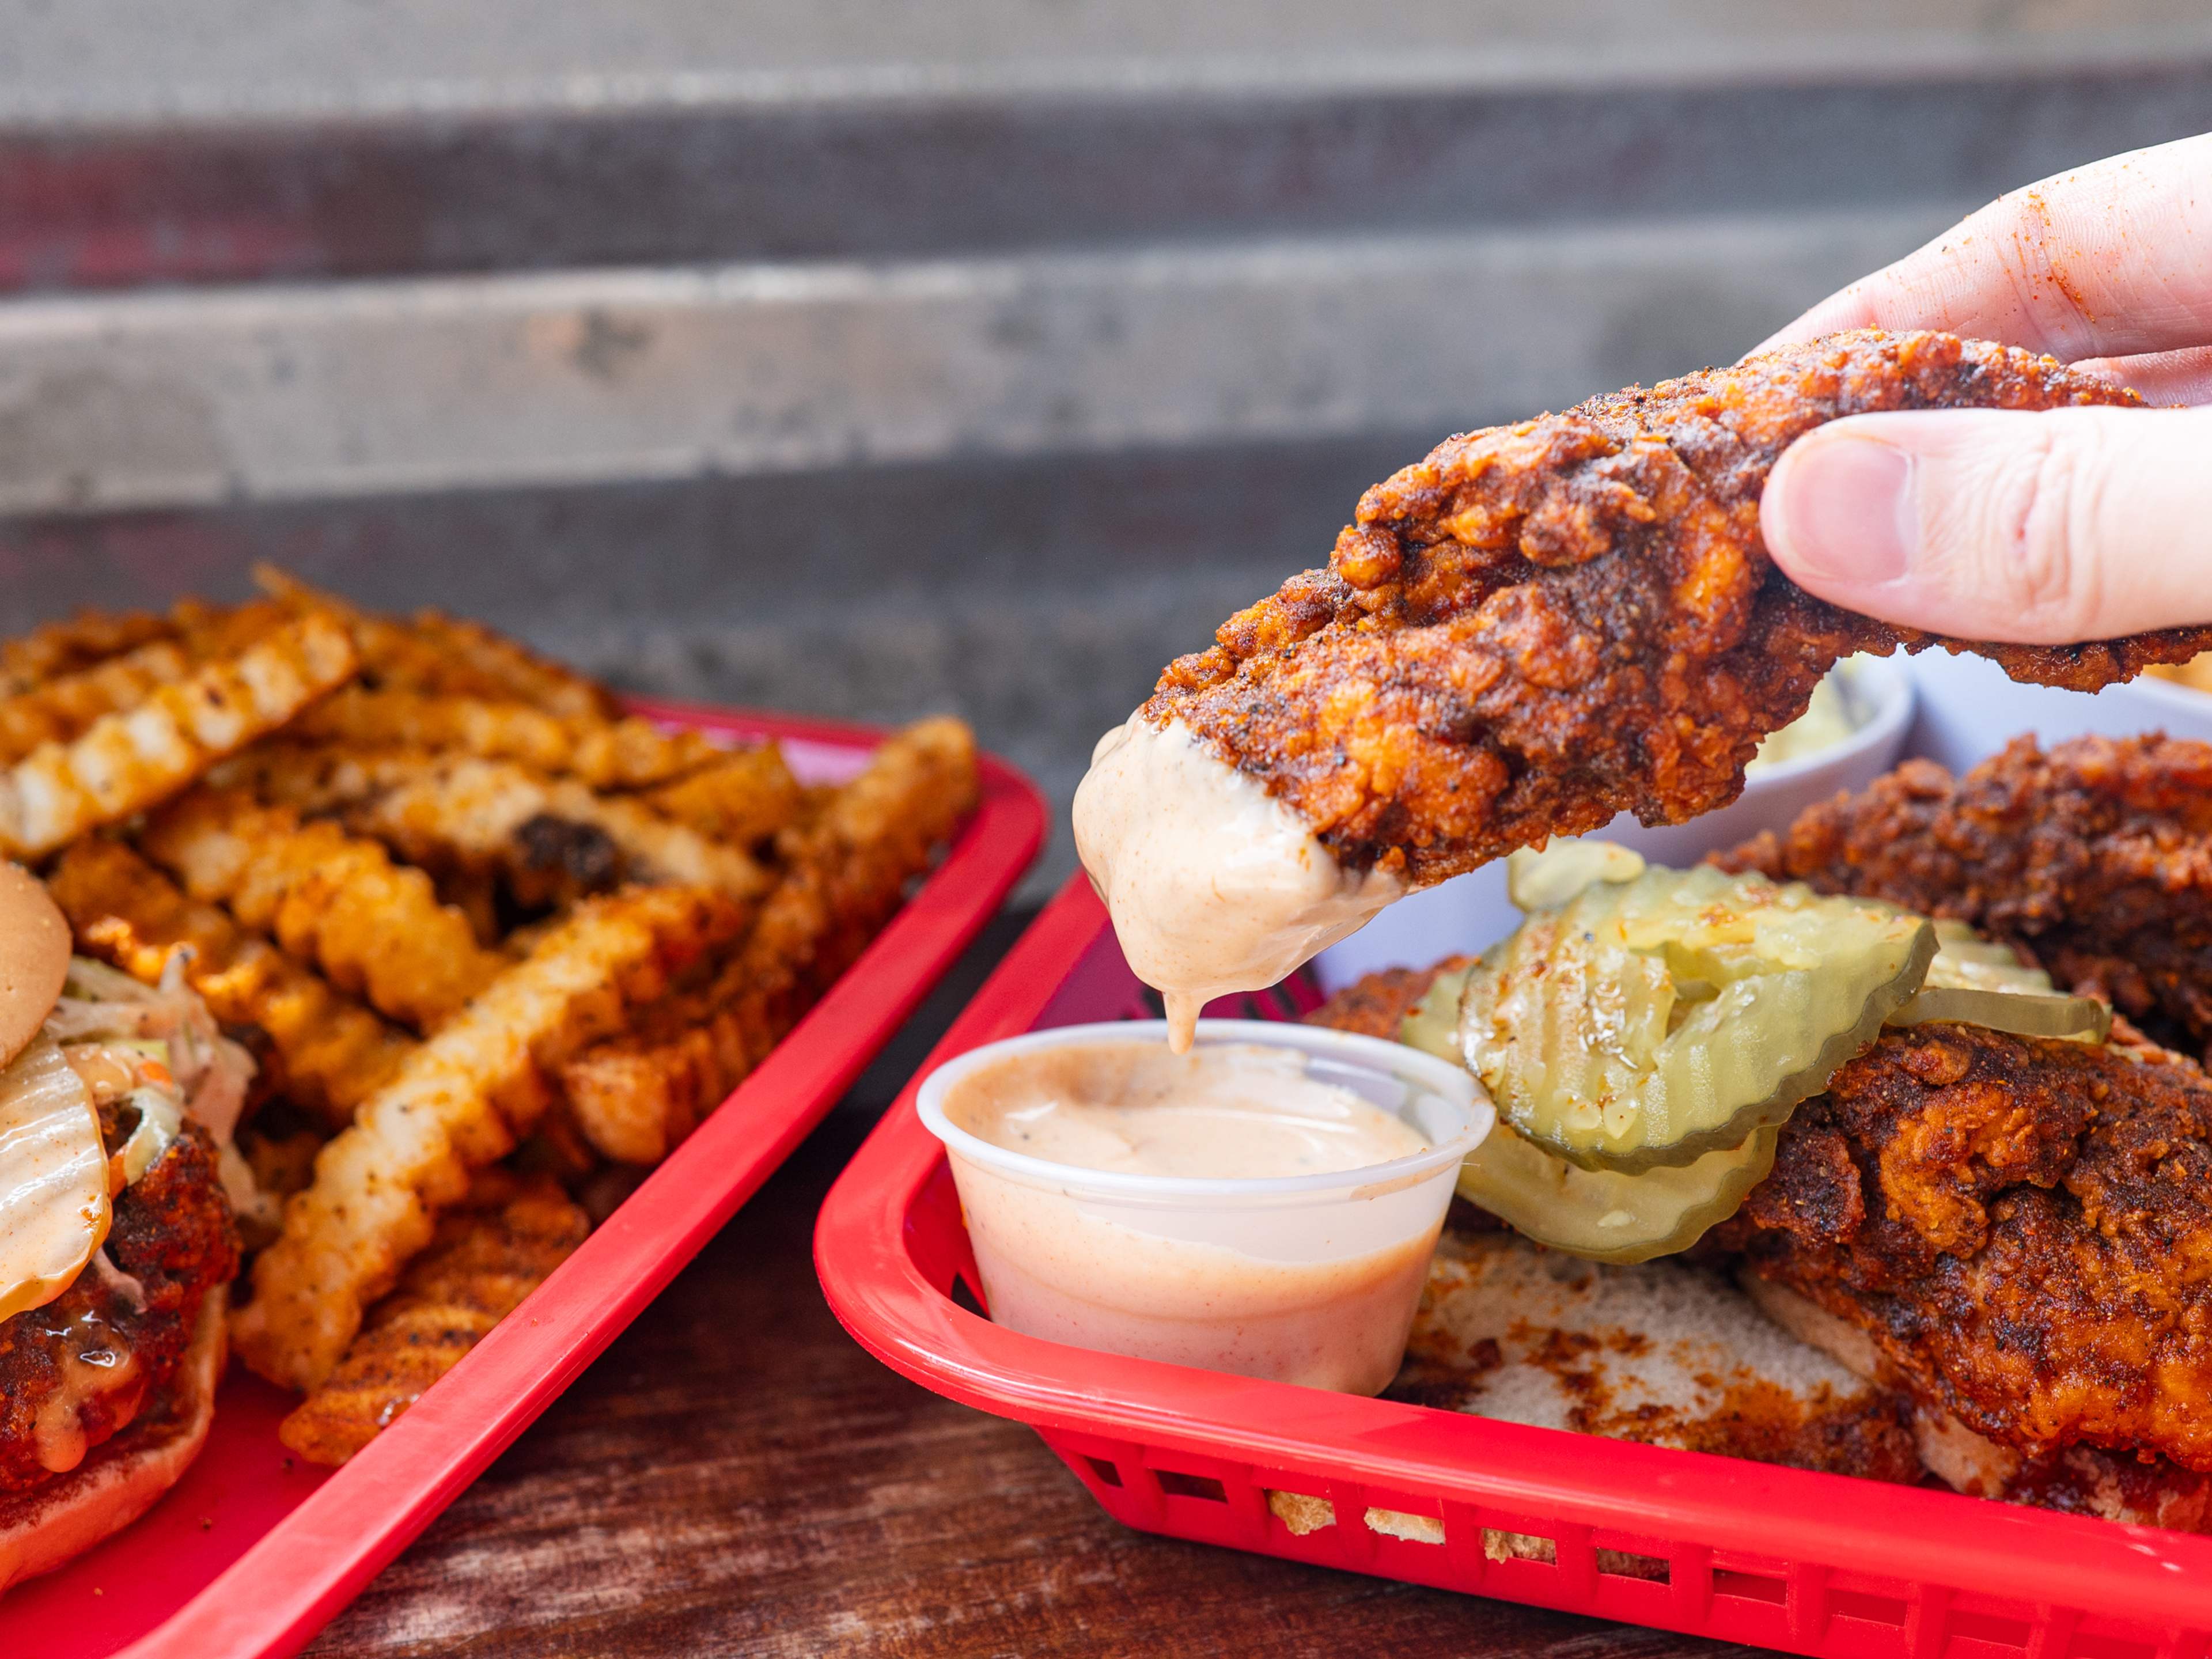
(2111, 259)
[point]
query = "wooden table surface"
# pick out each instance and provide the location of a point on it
(735, 1476)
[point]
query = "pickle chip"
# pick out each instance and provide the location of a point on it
(1967, 961)
(1651, 1022)
(1602, 1214)
(2023, 1013)
(1432, 1023)
(1977, 981)
(1538, 880)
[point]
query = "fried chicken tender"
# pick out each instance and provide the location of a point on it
(637, 1096)
(2096, 858)
(324, 1053)
(134, 759)
(1544, 624)
(621, 754)
(485, 1259)
(1377, 1005)
(376, 929)
(2018, 1225)
(459, 1102)
(550, 839)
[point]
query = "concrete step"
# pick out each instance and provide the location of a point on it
(166, 399)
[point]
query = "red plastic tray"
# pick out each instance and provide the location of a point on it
(253, 1552)
(1815, 1564)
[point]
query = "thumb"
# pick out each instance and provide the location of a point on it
(2035, 528)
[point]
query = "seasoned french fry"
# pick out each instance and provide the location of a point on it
(435, 652)
(637, 1096)
(551, 839)
(520, 672)
(326, 1053)
(222, 630)
(623, 754)
(74, 643)
(60, 707)
(459, 1102)
(375, 928)
(393, 654)
(485, 1259)
(742, 797)
(134, 759)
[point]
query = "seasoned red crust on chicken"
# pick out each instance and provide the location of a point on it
(2019, 1225)
(1543, 624)
(2096, 858)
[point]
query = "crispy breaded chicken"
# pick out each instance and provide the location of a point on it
(2096, 858)
(2022, 1227)
(1544, 624)
(2011, 1232)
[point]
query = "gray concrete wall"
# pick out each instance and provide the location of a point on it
(873, 358)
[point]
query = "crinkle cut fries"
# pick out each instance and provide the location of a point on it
(498, 947)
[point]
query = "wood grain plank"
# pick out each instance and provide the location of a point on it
(735, 1476)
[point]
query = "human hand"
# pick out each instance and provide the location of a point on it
(2042, 528)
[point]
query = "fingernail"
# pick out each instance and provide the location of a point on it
(1847, 511)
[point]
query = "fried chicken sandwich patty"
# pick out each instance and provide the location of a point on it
(84, 1367)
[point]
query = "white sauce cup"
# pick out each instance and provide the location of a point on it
(1311, 1278)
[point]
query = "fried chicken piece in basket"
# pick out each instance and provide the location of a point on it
(1542, 625)
(2096, 858)
(2020, 1227)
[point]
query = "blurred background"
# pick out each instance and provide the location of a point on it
(871, 358)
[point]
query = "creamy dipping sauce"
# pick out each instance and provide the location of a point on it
(1242, 1111)
(1213, 885)
(1316, 1287)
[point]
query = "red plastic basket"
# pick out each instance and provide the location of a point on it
(1743, 1552)
(252, 1552)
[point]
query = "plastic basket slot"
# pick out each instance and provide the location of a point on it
(1107, 1474)
(1505, 1544)
(1614, 1563)
(1868, 1607)
(1993, 1630)
(2095, 1646)
(1176, 1484)
(1751, 1586)
(1406, 1526)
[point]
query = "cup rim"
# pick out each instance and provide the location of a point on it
(1454, 1086)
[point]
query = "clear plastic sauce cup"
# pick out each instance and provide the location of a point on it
(1306, 1278)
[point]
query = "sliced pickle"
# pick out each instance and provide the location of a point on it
(1654, 1022)
(1538, 880)
(2078, 1019)
(53, 1171)
(1966, 961)
(1977, 981)
(1432, 1023)
(1602, 1214)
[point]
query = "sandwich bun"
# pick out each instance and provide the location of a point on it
(34, 958)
